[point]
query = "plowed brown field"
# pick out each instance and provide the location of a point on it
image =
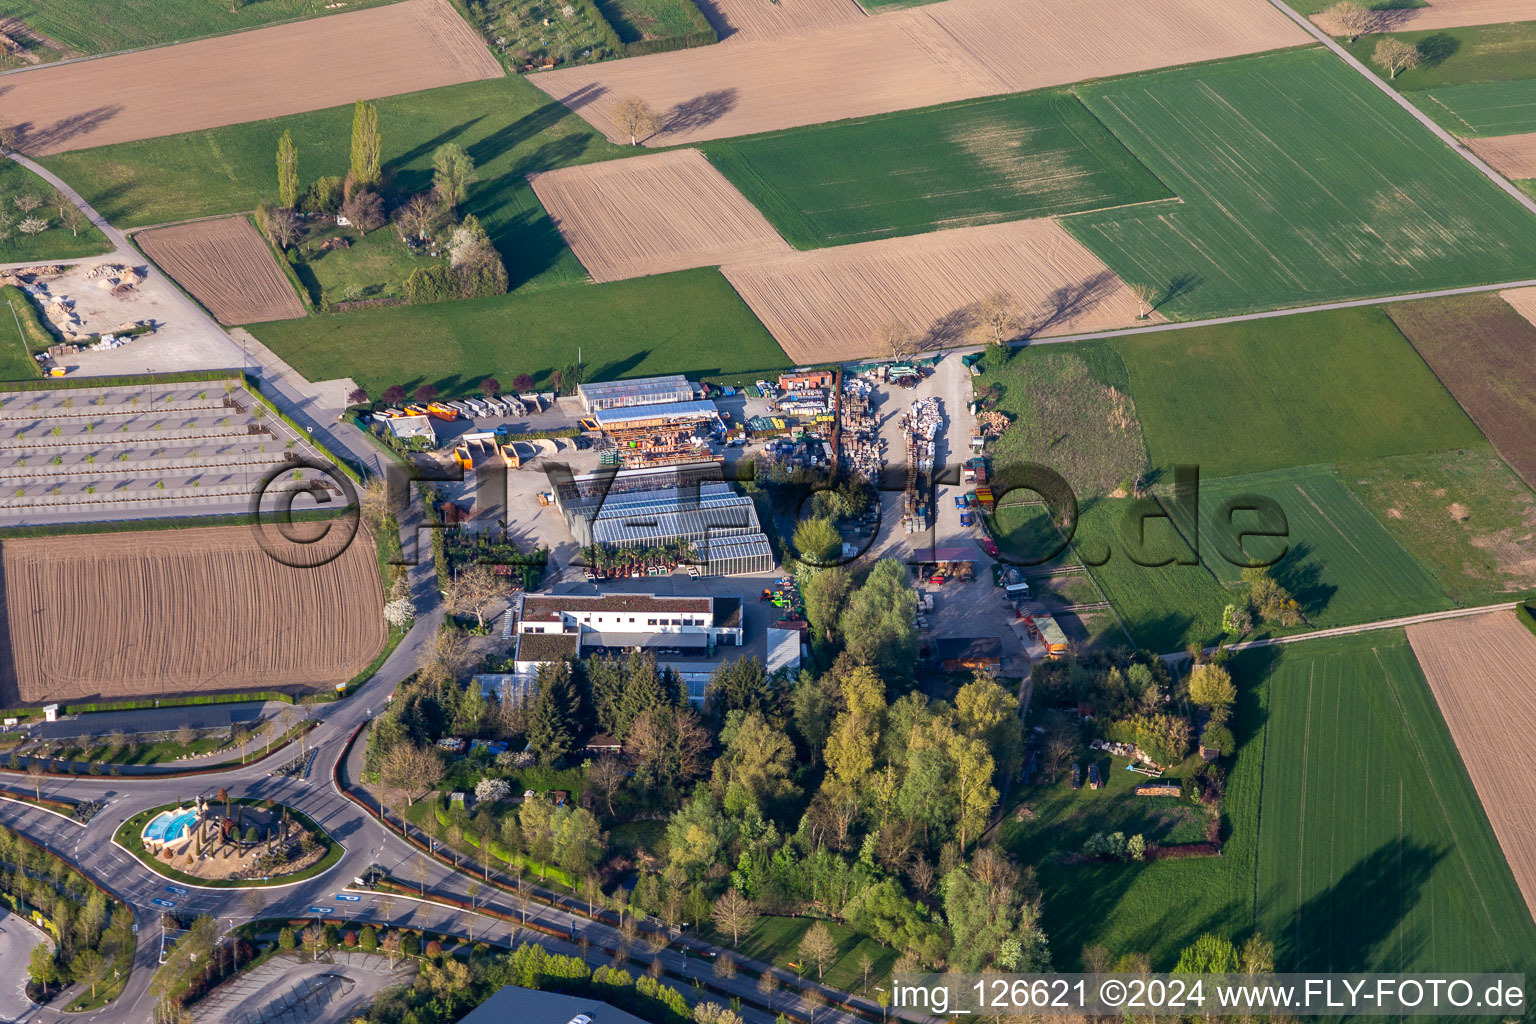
(1480, 669)
(740, 20)
(653, 214)
(828, 304)
(227, 267)
(959, 49)
(1523, 301)
(306, 65)
(182, 611)
(1441, 14)
(1513, 156)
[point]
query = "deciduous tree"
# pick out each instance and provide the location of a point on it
(636, 118)
(998, 315)
(1354, 19)
(1394, 55)
(364, 209)
(818, 947)
(453, 171)
(734, 913)
(472, 589)
(287, 171)
(364, 164)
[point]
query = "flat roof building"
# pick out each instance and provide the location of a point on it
(514, 1005)
(619, 394)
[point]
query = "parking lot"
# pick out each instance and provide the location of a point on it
(86, 454)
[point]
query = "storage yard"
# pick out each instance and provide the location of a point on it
(1480, 670)
(653, 214)
(183, 611)
(418, 44)
(829, 304)
(136, 451)
(227, 267)
(959, 49)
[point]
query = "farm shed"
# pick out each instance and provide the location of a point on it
(805, 380)
(783, 651)
(963, 654)
(624, 394)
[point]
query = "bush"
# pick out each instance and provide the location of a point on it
(1218, 736)
(331, 934)
(349, 939)
(369, 939)
(323, 197)
(429, 284)
(286, 939)
(251, 835)
(410, 945)
(434, 948)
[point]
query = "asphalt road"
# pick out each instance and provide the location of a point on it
(17, 940)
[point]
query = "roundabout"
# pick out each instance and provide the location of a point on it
(231, 843)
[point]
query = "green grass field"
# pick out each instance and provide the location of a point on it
(56, 243)
(1464, 514)
(776, 940)
(689, 321)
(91, 27)
(1301, 183)
(1341, 565)
(21, 334)
(1069, 410)
(1373, 850)
(1165, 607)
(1291, 391)
(1458, 56)
(374, 266)
(509, 127)
(979, 162)
(1488, 108)
(1318, 6)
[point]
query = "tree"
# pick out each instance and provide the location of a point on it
(577, 841)
(425, 393)
(522, 382)
(73, 219)
(27, 202)
(472, 589)
(393, 395)
(490, 386)
(9, 136)
(313, 941)
(453, 171)
(734, 913)
(475, 264)
(365, 145)
(825, 593)
(42, 967)
(282, 226)
(89, 968)
(364, 209)
(1354, 19)
(358, 396)
(185, 735)
(606, 777)
(553, 717)
(35, 769)
(409, 769)
(1273, 602)
(1211, 687)
(32, 226)
(287, 172)
(896, 340)
(998, 315)
(1210, 954)
(636, 118)
(819, 947)
(818, 542)
(1394, 55)
(670, 744)
(877, 624)
(418, 215)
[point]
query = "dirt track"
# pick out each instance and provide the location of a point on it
(654, 214)
(1480, 669)
(959, 49)
(182, 611)
(306, 65)
(827, 304)
(227, 267)
(1441, 14)
(1513, 156)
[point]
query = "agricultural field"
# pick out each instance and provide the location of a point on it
(743, 20)
(507, 126)
(1463, 513)
(1374, 852)
(1412, 15)
(1069, 409)
(1340, 564)
(644, 20)
(58, 241)
(285, 69)
(1513, 156)
(1482, 350)
(653, 214)
(1166, 607)
(829, 304)
(182, 611)
(1487, 108)
(1457, 56)
(76, 454)
(957, 50)
(1389, 210)
(1031, 155)
(227, 266)
(689, 321)
(1265, 394)
(1479, 669)
(23, 334)
(85, 27)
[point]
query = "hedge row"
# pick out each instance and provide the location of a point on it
(1524, 614)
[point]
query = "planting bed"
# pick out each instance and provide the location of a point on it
(186, 611)
(227, 267)
(140, 451)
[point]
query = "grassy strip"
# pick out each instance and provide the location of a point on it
(1527, 618)
(34, 332)
(129, 836)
